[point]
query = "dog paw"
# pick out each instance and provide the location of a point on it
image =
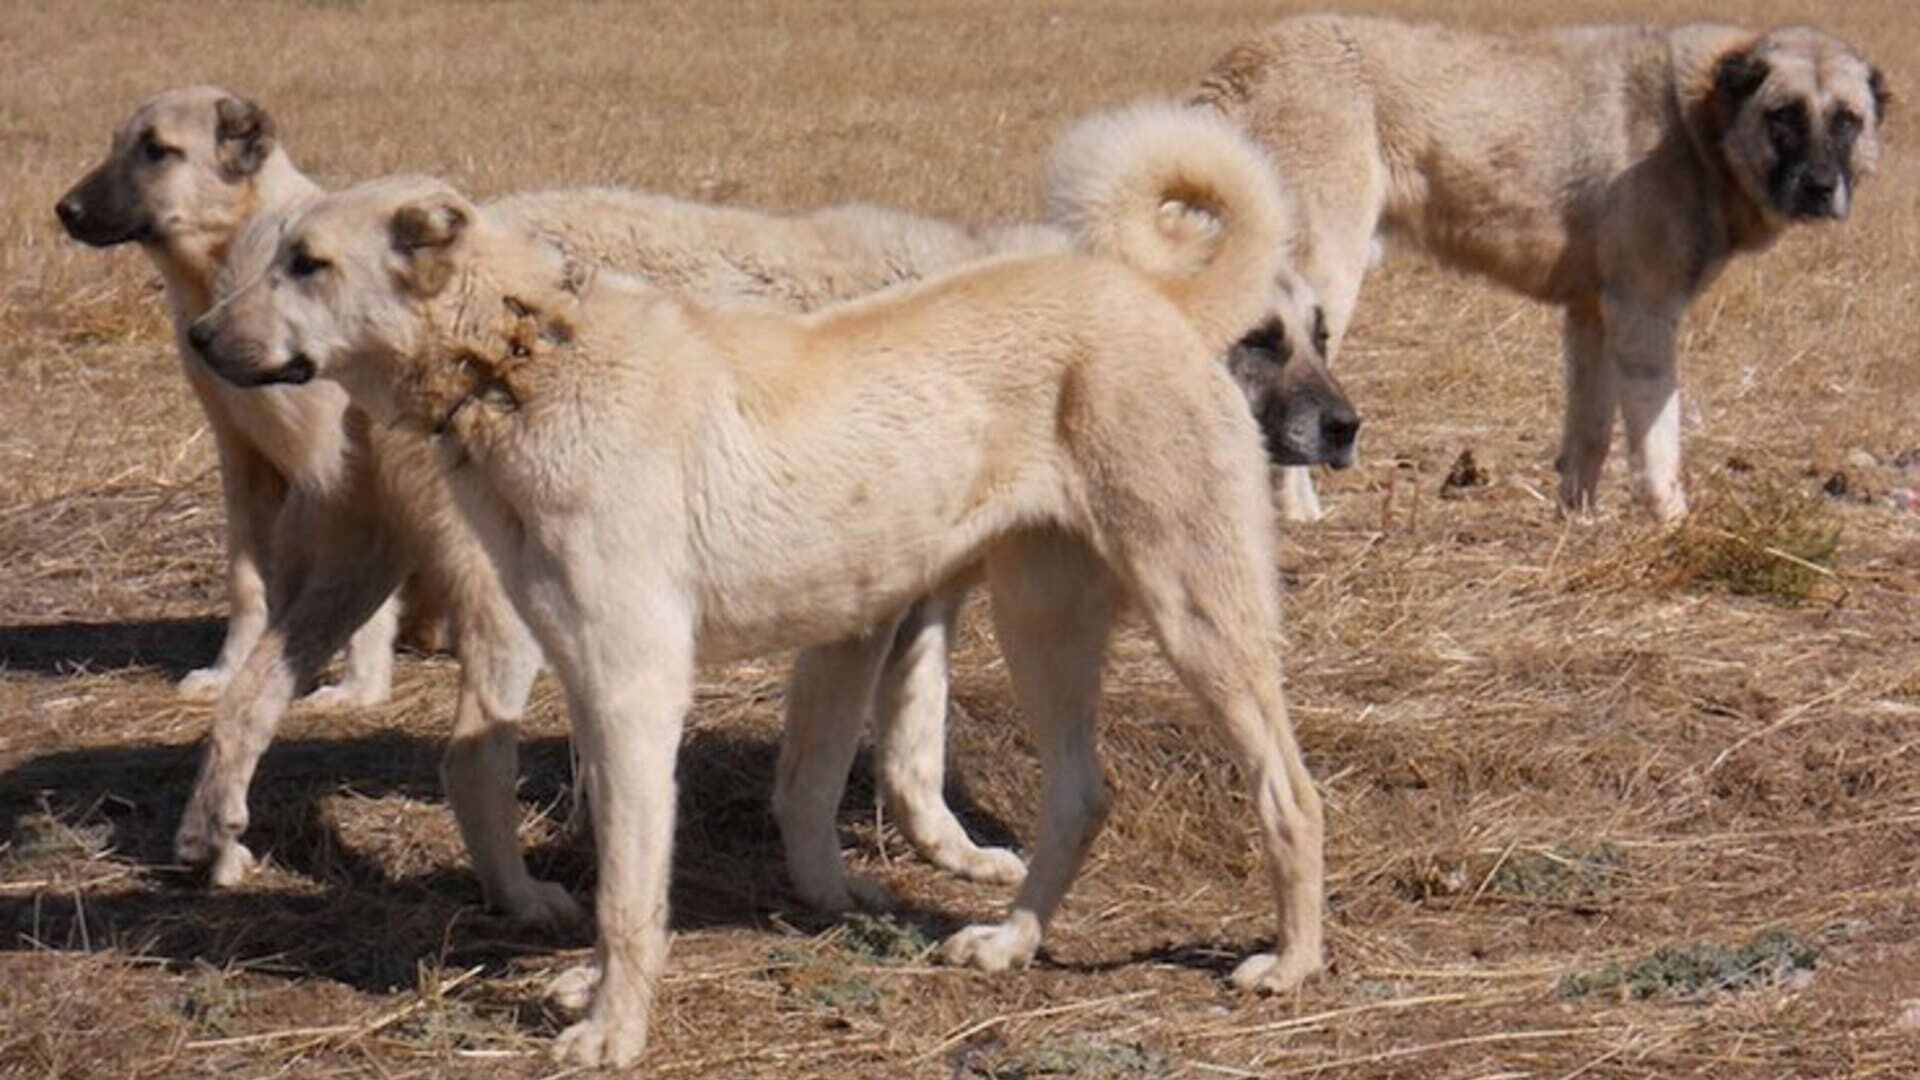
(204, 684)
(992, 948)
(231, 866)
(545, 905)
(988, 865)
(866, 894)
(573, 988)
(596, 1041)
(1275, 973)
(346, 695)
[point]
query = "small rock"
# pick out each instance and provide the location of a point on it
(1836, 485)
(1906, 498)
(1860, 459)
(1910, 1014)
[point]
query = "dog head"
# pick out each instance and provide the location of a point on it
(1281, 366)
(180, 177)
(1799, 114)
(344, 288)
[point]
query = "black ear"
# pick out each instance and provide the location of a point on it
(1882, 97)
(1735, 78)
(243, 135)
(428, 234)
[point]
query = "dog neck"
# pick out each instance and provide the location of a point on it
(497, 342)
(190, 259)
(1740, 222)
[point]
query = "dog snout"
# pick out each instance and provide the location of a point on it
(71, 212)
(1339, 430)
(1822, 193)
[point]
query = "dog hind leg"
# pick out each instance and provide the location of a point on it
(1053, 605)
(911, 712)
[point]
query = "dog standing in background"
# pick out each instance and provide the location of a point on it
(1611, 170)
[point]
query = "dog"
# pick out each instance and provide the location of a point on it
(1611, 170)
(346, 530)
(663, 483)
(183, 174)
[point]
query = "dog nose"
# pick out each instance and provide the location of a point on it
(69, 211)
(200, 336)
(1339, 429)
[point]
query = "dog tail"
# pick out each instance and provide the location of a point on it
(1182, 196)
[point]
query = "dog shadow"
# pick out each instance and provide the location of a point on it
(169, 647)
(355, 898)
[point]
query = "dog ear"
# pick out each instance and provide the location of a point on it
(243, 134)
(1882, 97)
(427, 234)
(1735, 78)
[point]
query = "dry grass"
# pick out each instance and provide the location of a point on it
(1546, 754)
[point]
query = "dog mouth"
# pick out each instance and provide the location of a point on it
(298, 371)
(295, 372)
(97, 234)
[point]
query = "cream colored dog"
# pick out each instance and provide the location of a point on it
(1611, 170)
(190, 168)
(662, 483)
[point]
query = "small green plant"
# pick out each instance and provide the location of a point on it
(882, 938)
(1558, 873)
(1756, 538)
(1060, 1057)
(1697, 969)
(214, 998)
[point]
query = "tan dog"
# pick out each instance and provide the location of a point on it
(346, 531)
(662, 483)
(1610, 170)
(184, 174)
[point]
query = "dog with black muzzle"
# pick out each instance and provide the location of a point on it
(1610, 170)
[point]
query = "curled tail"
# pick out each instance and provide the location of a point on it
(1180, 195)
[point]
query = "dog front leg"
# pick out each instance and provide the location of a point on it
(1296, 496)
(828, 697)
(321, 596)
(1640, 342)
(628, 706)
(253, 492)
(499, 661)
(1587, 432)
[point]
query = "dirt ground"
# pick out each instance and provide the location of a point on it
(1602, 802)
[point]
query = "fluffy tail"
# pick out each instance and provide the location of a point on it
(1182, 196)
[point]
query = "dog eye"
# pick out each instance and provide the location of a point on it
(157, 152)
(1845, 125)
(303, 265)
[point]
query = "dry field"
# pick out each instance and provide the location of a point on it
(1592, 813)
